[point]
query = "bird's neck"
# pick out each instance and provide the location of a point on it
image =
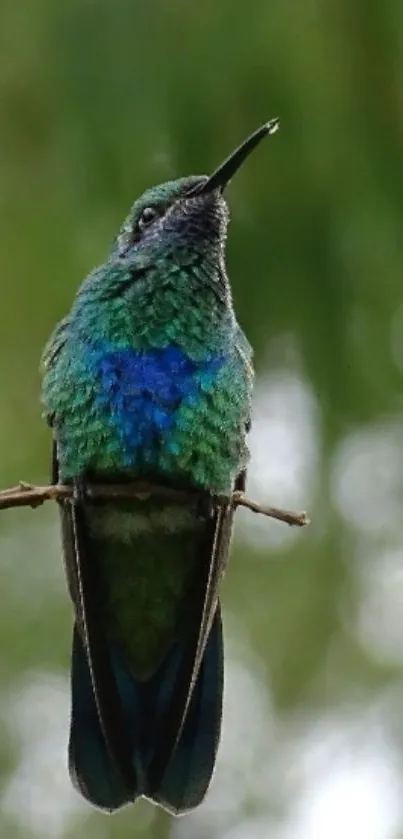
(191, 316)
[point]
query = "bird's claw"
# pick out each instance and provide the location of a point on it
(81, 491)
(205, 506)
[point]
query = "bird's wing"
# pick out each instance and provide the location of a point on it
(84, 591)
(55, 344)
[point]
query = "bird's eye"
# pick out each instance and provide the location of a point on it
(147, 217)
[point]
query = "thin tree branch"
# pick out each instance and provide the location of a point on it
(287, 516)
(29, 495)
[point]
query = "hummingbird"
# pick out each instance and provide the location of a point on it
(149, 378)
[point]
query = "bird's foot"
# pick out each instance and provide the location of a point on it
(205, 506)
(81, 491)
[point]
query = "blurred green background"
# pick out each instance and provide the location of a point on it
(97, 101)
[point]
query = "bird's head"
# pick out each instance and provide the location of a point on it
(174, 231)
(185, 221)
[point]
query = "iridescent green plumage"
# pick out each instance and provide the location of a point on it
(150, 377)
(183, 300)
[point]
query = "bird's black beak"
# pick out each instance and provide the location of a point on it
(223, 174)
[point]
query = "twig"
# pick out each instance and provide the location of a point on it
(29, 495)
(287, 516)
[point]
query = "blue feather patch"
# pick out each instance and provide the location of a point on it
(141, 391)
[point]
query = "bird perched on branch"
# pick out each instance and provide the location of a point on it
(150, 377)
